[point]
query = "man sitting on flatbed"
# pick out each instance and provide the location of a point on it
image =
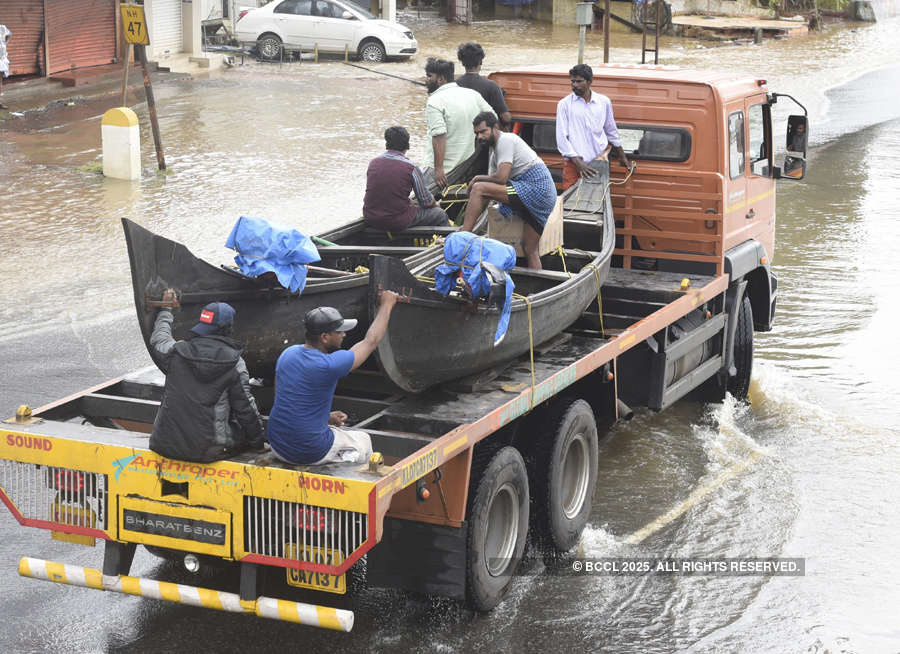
(207, 412)
(302, 427)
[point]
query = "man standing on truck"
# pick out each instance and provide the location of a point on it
(448, 116)
(518, 179)
(470, 56)
(302, 427)
(389, 179)
(585, 127)
(207, 412)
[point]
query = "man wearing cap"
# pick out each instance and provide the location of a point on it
(302, 427)
(207, 412)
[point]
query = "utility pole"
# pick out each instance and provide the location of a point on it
(584, 16)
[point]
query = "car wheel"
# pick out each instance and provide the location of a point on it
(371, 50)
(269, 47)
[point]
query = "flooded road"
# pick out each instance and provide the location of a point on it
(808, 470)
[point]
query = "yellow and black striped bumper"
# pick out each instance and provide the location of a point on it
(264, 607)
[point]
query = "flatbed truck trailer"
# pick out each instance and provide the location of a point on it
(463, 472)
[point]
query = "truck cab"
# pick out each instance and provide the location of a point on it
(702, 196)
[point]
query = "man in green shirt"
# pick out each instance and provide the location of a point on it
(448, 116)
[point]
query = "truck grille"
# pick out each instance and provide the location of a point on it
(51, 494)
(302, 532)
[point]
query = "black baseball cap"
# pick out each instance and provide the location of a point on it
(213, 316)
(326, 319)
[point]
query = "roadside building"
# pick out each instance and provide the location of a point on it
(51, 37)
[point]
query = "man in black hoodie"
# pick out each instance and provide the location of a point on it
(207, 412)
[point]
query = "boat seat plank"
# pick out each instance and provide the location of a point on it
(551, 275)
(389, 250)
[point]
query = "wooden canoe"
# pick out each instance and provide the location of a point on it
(433, 339)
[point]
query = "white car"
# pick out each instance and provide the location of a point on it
(332, 25)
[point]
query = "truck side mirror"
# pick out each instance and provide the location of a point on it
(794, 165)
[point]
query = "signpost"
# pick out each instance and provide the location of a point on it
(134, 23)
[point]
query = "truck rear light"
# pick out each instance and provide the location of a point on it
(69, 480)
(311, 519)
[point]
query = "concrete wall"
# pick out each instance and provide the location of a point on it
(562, 12)
(191, 38)
(721, 8)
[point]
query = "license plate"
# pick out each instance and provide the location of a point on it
(317, 580)
(74, 514)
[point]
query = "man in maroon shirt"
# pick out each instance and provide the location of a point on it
(389, 180)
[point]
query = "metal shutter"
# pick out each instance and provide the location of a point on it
(80, 33)
(25, 19)
(165, 26)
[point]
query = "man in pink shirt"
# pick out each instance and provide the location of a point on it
(585, 127)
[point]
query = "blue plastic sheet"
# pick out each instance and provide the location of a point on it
(466, 250)
(263, 247)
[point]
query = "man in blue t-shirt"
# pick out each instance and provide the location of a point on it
(302, 427)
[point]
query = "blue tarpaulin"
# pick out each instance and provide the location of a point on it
(467, 251)
(263, 247)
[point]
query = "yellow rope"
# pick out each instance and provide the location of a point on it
(454, 188)
(599, 297)
(449, 203)
(530, 344)
(562, 256)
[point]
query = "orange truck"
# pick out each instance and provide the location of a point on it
(445, 505)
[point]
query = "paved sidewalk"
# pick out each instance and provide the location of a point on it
(41, 102)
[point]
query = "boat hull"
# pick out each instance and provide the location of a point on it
(268, 317)
(433, 339)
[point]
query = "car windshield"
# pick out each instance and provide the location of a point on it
(358, 8)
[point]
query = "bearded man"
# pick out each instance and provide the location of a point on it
(517, 178)
(302, 427)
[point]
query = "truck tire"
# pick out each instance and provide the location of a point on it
(563, 473)
(497, 528)
(739, 385)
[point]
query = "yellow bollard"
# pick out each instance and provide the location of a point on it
(316, 53)
(347, 53)
(121, 140)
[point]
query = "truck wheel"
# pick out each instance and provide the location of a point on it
(739, 385)
(498, 527)
(564, 473)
